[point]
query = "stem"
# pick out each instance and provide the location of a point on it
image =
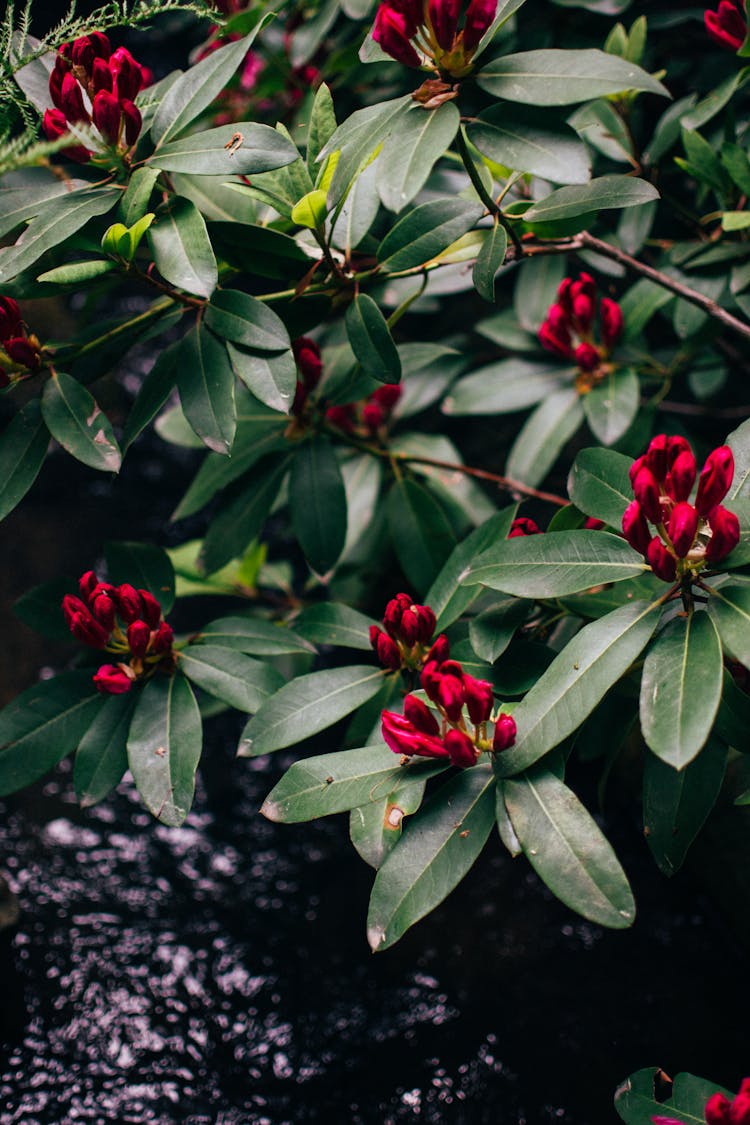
(151, 313)
(175, 294)
(396, 315)
(486, 198)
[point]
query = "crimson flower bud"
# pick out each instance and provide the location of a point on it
(11, 323)
(420, 715)
(106, 114)
(392, 30)
(372, 416)
(388, 652)
(394, 610)
(479, 17)
(409, 627)
(84, 628)
(127, 73)
(162, 639)
(587, 357)
(133, 120)
(440, 650)
(681, 477)
(717, 1110)
(59, 70)
(647, 494)
(112, 679)
(584, 307)
(725, 533)
(585, 284)
(655, 457)
(101, 77)
(430, 680)
(554, 334)
(71, 99)
(523, 526)
(635, 529)
(86, 583)
(72, 605)
(100, 43)
(505, 732)
(128, 603)
(564, 295)
(139, 635)
(715, 479)
(151, 609)
(450, 689)
(388, 395)
(55, 126)
(426, 622)
(340, 417)
(103, 609)
(740, 1113)
(374, 632)
(82, 53)
(660, 560)
(22, 352)
(683, 526)
(636, 467)
(307, 355)
(461, 749)
(479, 699)
(594, 525)
(102, 588)
(403, 738)
(444, 20)
(611, 321)
(726, 25)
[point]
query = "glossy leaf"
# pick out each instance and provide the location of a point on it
(371, 340)
(421, 534)
(436, 850)
(206, 384)
(23, 447)
(164, 747)
(52, 226)
(182, 249)
(528, 140)
(331, 624)
(74, 419)
(576, 680)
(557, 77)
(504, 387)
(307, 705)
(600, 486)
(681, 688)
(543, 436)
(231, 676)
(241, 149)
(601, 194)
(135, 202)
(241, 519)
(568, 850)
(78, 273)
(143, 566)
(317, 503)
(425, 232)
(252, 635)
(447, 598)
(677, 802)
(729, 607)
(492, 631)
(739, 442)
(410, 152)
(322, 125)
(102, 759)
(611, 406)
(244, 320)
(152, 394)
(636, 1102)
(375, 828)
(489, 260)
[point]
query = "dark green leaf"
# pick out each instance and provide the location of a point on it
(23, 447)
(53, 225)
(153, 393)
(506, 386)
(375, 828)
(636, 1102)
(730, 609)
(322, 125)
(425, 232)
(182, 249)
(41, 608)
(135, 202)
(231, 676)
(371, 340)
(254, 636)
(599, 484)
(317, 503)
(143, 566)
(410, 152)
(598, 195)
(242, 518)
(421, 534)
(75, 420)
(676, 803)
(489, 260)
(306, 705)
(446, 597)
(555, 77)
(611, 406)
(230, 150)
(244, 320)
(543, 436)
(733, 719)
(102, 756)
(528, 140)
(491, 632)
(332, 624)
(78, 273)
(272, 379)
(206, 383)
(164, 747)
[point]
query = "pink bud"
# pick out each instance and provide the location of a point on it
(307, 354)
(683, 527)
(372, 416)
(444, 20)
(420, 715)
(139, 635)
(393, 32)
(681, 477)
(55, 125)
(394, 611)
(450, 690)
(72, 605)
(71, 100)
(660, 560)
(84, 628)
(715, 479)
(128, 603)
(388, 395)
(505, 732)
(636, 467)
(655, 457)
(106, 114)
(479, 699)
(388, 652)
(717, 1110)
(101, 77)
(635, 529)
(162, 639)
(726, 25)
(127, 74)
(461, 749)
(587, 357)
(151, 609)
(594, 525)
(523, 526)
(647, 494)
(554, 334)
(725, 533)
(612, 323)
(426, 622)
(86, 583)
(479, 17)
(103, 609)
(22, 352)
(112, 679)
(584, 307)
(340, 417)
(403, 738)
(11, 323)
(133, 120)
(740, 1112)
(59, 70)
(440, 650)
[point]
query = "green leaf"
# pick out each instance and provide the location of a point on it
(317, 503)
(375, 828)
(576, 680)
(555, 77)
(504, 387)
(244, 320)
(182, 249)
(307, 705)
(231, 676)
(600, 486)
(425, 232)
(681, 689)
(74, 419)
(194, 91)
(23, 447)
(549, 566)
(739, 442)
(252, 635)
(447, 598)
(241, 149)
(322, 125)
(676, 803)
(152, 394)
(568, 850)
(421, 534)
(437, 849)
(371, 340)
(272, 379)
(491, 632)
(78, 273)
(636, 1103)
(357, 139)
(135, 202)
(729, 607)
(241, 519)
(334, 783)
(206, 383)
(733, 719)
(528, 140)
(332, 624)
(101, 759)
(410, 152)
(601, 194)
(543, 436)
(164, 747)
(537, 281)
(42, 725)
(143, 566)
(611, 406)
(489, 260)
(52, 226)
(18, 205)
(310, 211)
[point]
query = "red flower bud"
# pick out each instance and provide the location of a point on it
(388, 395)
(594, 525)
(340, 417)
(523, 526)
(450, 689)
(84, 628)
(392, 30)
(22, 352)
(127, 73)
(611, 321)
(725, 533)
(106, 114)
(726, 25)
(139, 635)
(101, 77)
(647, 494)
(426, 622)
(479, 17)
(388, 652)
(587, 357)
(86, 583)
(479, 699)
(660, 560)
(72, 605)
(461, 749)
(635, 529)
(162, 639)
(151, 611)
(403, 738)
(717, 1110)
(11, 323)
(655, 457)
(307, 355)
(71, 100)
(440, 650)
(133, 121)
(683, 527)
(636, 467)
(55, 126)
(59, 70)
(372, 416)
(505, 732)
(420, 715)
(681, 477)
(554, 334)
(584, 307)
(128, 603)
(444, 20)
(715, 479)
(112, 679)
(103, 609)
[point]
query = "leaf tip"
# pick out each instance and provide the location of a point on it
(271, 810)
(375, 938)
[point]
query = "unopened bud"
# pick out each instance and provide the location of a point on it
(128, 603)
(112, 679)
(479, 699)
(139, 636)
(388, 652)
(106, 114)
(11, 323)
(683, 526)
(420, 715)
(660, 560)
(523, 526)
(392, 31)
(103, 609)
(681, 477)
(151, 611)
(133, 120)
(479, 17)
(162, 639)
(587, 357)
(612, 323)
(461, 749)
(71, 99)
(647, 494)
(440, 650)
(725, 534)
(715, 479)
(505, 732)
(635, 529)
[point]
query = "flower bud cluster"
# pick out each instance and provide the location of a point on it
(366, 418)
(523, 526)
(718, 1110)
(123, 621)
(569, 328)
(728, 24)
(20, 351)
(688, 535)
(418, 33)
(406, 638)
(309, 369)
(92, 84)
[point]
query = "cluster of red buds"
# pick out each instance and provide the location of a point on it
(367, 417)
(728, 24)
(91, 83)
(124, 621)
(309, 369)
(568, 329)
(407, 642)
(426, 33)
(18, 350)
(688, 535)
(718, 1110)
